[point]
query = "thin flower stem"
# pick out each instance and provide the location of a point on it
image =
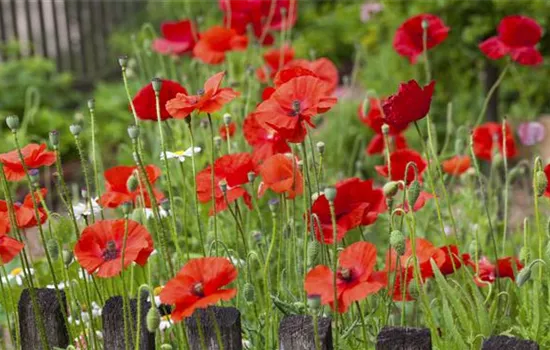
(94, 158)
(129, 96)
(490, 94)
(228, 139)
(537, 167)
(363, 329)
(194, 169)
(12, 311)
(85, 172)
(212, 178)
(216, 329)
(125, 307)
(266, 279)
(316, 331)
(506, 186)
(335, 271)
(239, 226)
(201, 332)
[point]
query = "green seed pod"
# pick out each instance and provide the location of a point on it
(313, 302)
(53, 248)
(385, 129)
(217, 142)
(133, 131)
(67, 257)
(249, 293)
(91, 104)
(251, 176)
(54, 138)
(166, 347)
(523, 276)
(156, 83)
(227, 119)
(313, 250)
(413, 192)
(397, 241)
(330, 194)
(13, 122)
(153, 319)
(139, 216)
(540, 182)
(123, 61)
(320, 147)
(127, 208)
(390, 189)
(75, 129)
(132, 183)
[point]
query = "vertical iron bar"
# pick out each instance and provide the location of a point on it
(13, 8)
(94, 29)
(43, 35)
(29, 26)
(3, 30)
(81, 40)
(66, 10)
(58, 57)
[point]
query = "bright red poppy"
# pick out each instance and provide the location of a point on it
(453, 259)
(232, 127)
(399, 160)
(517, 37)
(177, 38)
(356, 278)
(9, 247)
(409, 38)
(275, 59)
(208, 100)
(421, 201)
(231, 168)
(323, 68)
(215, 42)
(25, 213)
(116, 181)
(99, 248)
(489, 137)
(199, 284)
(34, 156)
(456, 165)
(145, 102)
(547, 173)
(265, 142)
(281, 175)
(488, 272)
(411, 103)
(357, 203)
(378, 146)
(292, 106)
(287, 74)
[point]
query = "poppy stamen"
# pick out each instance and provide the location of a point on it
(111, 252)
(198, 290)
(345, 274)
(200, 92)
(295, 108)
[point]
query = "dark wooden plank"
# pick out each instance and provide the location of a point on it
(81, 38)
(404, 338)
(228, 320)
(70, 52)
(15, 28)
(502, 342)
(296, 332)
(42, 33)
(28, 22)
(57, 39)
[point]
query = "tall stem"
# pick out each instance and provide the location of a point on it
(194, 169)
(335, 270)
(212, 180)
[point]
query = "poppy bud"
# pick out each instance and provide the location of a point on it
(127, 208)
(53, 248)
(165, 204)
(132, 183)
(91, 104)
(133, 131)
(34, 175)
(523, 276)
(273, 203)
(313, 302)
(397, 241)
(330, 194)
(425, 24)
(385, 129)
(249, 293)
(541, 182)
(75, 129)
(321, 147)
(13, 122)
(153, 319)
(54, 138)
(156, 83)
(166, 347)
(524, 254)
(223, 186)
(313, 249)
(123, 61)
(390, 189)
(251, 176)
(217, 142)
(227, 119)
(67, 256)
(413, 192)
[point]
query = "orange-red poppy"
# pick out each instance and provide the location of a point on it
(215, 42)
(9, 247)
(232, 127)
(145, 102)
(265, 142)
(489, 137)
(489, 272)
(456, 165)
(281, 175)
(34, 156)
(399, 160)
(322, 67)
(275, 59)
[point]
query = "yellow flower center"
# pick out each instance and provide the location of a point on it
(16, 271)
(179, 153)
(157, 290)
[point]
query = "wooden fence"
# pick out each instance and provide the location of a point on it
(296, 332)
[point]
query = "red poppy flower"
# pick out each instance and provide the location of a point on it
(25, 214)
(456, 165)
(99, 248)
(281, 175)
(215, 42)
(378, 146)
(452, 256)
(9, 247)
(424, 251)
(264, 142)
(356, 278)
(275, 59)
(487, 272)
(208, 100)
(34, 155)
(292, 106)
(232, 127)
(547, 173)
(145, 103)
(231, 168)
(357, 203)
(117, 193)
(374, 118)
(488, 137)
(399, 160)
(517, 37)
(323, 68)
(409, 38)
(421, 201)
(411, 103)
(199, 284)
(287, 74)
(177, 38)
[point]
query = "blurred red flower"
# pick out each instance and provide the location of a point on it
(411, 103)
(453, 259)
(409, 38)
(99, 248)
(34, 156)
(488, 272)
(199, 284)
(489, 136)
(292, 106)
(145, 103)
(177, 38)
(275, 59)
(356, 278)
(208, 100)
(281, 175)
(9, 247)
(517, 37)
(231, 168)
(117, 192)
(456, 165)
(264, 142)
(215, 42)
(323, 68)
(399, 160)
(421, 201)
(25, 214)
(232, 127)
(357, 203)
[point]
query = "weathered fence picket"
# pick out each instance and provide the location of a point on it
(226, 319)
(297, 332)
(404, 338)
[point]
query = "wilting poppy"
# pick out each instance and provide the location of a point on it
(117, 191)
(232, 127)
(231, 168)
(488, 272)
(215, 42)
(145, 102)
(292, 106)
(399, 160)
(488, 137)
(275, 59)
(208, 100)
(453, 259)
(199, 284)
(409, 38)
(34, 156)
(281, 175)
(411, 103)
(265, 142)
(177, 38)
(456, 165)
(355, 280)
(517, 37)
(99, 248)
(357, 203)
(323, 68)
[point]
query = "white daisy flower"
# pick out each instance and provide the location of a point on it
(165, 323)
(16, 276)
(156, 294)
(61, 285)
(85, 315)
(181, 155)
(149, 214)
(83, 209)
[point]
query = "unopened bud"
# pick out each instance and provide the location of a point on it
(251, 176)
(13, 122)
(127, 208)
(217, 141)
(132, 183)
(541, 182)
(91, 104)
(153, 319)
(257, 236)
(133, 131)
(390, 189)
(523, 276)
(156, 83)
(397, 241)
(166, 346)
(54, 138)
(321, 147)
(314, 302)
(227, 119)
(75, 129)
(67, 256)
(249, 293)
(53, 248)
(413, 192)
(123, 61)
(313, 250)
(330, 194)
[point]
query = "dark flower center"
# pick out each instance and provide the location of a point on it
(295, 108)
(200, 92)
(198, 290)
(111, 251)
(345, 274)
